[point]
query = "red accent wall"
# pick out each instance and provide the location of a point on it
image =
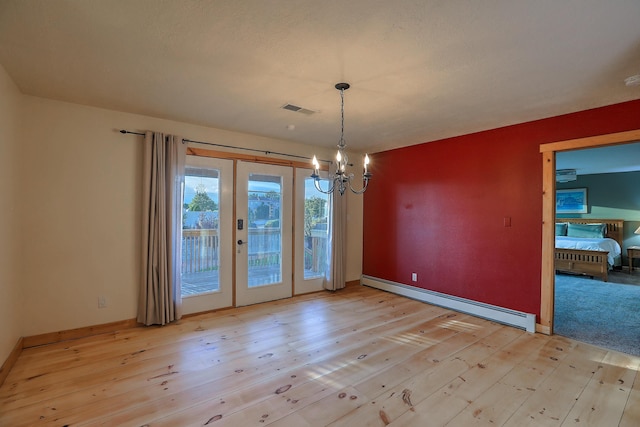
(439, 208)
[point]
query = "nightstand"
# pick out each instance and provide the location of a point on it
(632, 252)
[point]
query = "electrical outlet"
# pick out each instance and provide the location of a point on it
(414, 277)
(102, 302)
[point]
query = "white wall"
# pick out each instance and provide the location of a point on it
(81, 199)
(10, 293)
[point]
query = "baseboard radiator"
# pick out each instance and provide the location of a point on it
(506, 316)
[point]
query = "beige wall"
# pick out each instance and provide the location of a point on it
(10, 292)
(354, 231)
(81, 203)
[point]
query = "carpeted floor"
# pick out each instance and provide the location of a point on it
(606, 314)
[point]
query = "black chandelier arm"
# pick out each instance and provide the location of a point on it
(316, 183)
(340, 181)
(365, 179)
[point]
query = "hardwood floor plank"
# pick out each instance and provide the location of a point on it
(605, 396)
(150, 372)
(499, 402)
(334, 368)
(400, 399)
(341, 403)
(194, 380)
(631, 414)
(357, 357)
(440, 406)
(445, 342)
(494, 407)
(550, 404)
(93, 363)
(292, 420)
(288, 390)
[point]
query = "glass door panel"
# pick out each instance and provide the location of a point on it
(200, 232)
(263, 232)
(313, 210)
(206, 234)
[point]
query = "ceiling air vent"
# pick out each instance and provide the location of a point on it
(297, 109)
(565, 175)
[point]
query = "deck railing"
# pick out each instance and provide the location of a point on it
(315, 254)
(200, 250)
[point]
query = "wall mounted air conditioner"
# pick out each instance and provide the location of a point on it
(565, 175)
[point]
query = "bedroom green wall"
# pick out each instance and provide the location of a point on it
(613, 196)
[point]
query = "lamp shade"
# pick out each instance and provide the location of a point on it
(637, 231)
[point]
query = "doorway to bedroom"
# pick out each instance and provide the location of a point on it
(594, 308)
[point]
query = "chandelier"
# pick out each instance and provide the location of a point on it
(341, 179)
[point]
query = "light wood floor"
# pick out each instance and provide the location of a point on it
(358, 357)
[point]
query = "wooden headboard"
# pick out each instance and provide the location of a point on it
(615, 227)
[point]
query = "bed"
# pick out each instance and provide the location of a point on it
(580, 249)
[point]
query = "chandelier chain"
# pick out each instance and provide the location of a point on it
(341, 117)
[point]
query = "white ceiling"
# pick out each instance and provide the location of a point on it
(420, 70)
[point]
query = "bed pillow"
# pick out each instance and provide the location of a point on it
(593, 231)
(561, 228)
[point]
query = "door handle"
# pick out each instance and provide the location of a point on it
(240, 242)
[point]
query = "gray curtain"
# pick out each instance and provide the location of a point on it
(163, 178)
(335, 277)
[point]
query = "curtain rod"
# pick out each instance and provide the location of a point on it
(124, 131)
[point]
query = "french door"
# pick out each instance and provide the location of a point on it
(238, 242)
(264, 196)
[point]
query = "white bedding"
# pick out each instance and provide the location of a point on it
(610, 245)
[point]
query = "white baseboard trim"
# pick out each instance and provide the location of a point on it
(507, 316)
